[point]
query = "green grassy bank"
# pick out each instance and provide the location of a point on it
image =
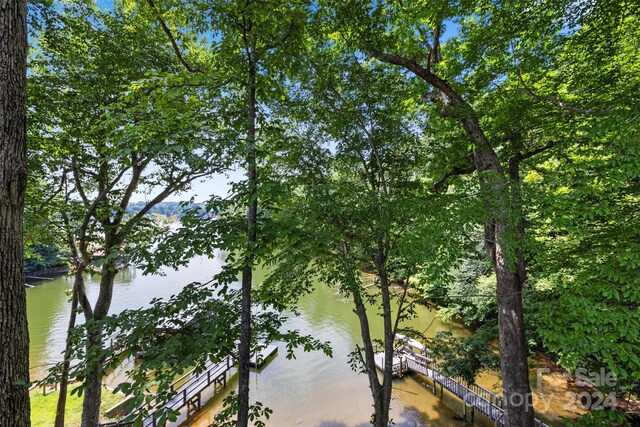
(43, 408)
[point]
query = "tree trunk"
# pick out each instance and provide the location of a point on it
(64, 377)
(381, 392)
(377, 391)
(501, 243)
(389, 337)
(244, 351)
(95, 367)
(93, 381)
(14, 335)
(513, 345)
(517, 209)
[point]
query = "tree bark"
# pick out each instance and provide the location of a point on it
(93, 381)
(380, 391)
(78, 282)
(377, 391)
(501, 244)
(516, 203)
(244, 351)
(94, 344)
(389, 337)
(64, 377)
(14, 335)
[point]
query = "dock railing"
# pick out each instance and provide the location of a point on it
(477, 397)
(186, 391)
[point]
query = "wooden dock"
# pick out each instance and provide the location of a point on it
(473, 396)
(260, 358)
(399, 364)
(188, 392)
(188, 388)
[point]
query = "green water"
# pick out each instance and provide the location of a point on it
(311, 390)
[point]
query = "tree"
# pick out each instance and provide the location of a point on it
(521, 83)
(397, 35)
(14, 336)
(249, 37)
(475, 59)
(111, 128)
(359, 201)
(583, 201)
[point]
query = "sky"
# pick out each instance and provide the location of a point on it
(217, 184)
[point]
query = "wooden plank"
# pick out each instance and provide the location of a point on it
(478, 398)
(188, 392)
(411, 342)
(399, 366)
(259, 359)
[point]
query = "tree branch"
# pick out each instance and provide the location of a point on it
(172, 39)
(529, 154)
(137, 167)
(370, 138)
(434, 54)
(461, 170)
(76, 177)
(285, 35)
(63, 182)
(401, 306)
(464, 170)
(413, 66)
(182, 181)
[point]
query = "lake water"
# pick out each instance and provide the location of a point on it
(311, 390)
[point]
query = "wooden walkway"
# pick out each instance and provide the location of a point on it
(475, 397)
(188, 392)
(188, 388)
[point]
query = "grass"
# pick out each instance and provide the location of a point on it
(43, 408)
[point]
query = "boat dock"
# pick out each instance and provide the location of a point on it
(412, 357)
(188, 389)
(260, 358)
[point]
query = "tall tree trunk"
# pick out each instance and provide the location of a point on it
(14, 335)
(389, 337)
(377, 391)
(517, 209)
(501, 243)
(64, 377)
(94, 344)
(380, 392)
(244, 351)
(78, 282)
(93, 381)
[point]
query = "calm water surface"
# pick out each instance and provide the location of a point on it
(310, 390)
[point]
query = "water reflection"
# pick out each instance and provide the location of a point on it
(309, 390)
